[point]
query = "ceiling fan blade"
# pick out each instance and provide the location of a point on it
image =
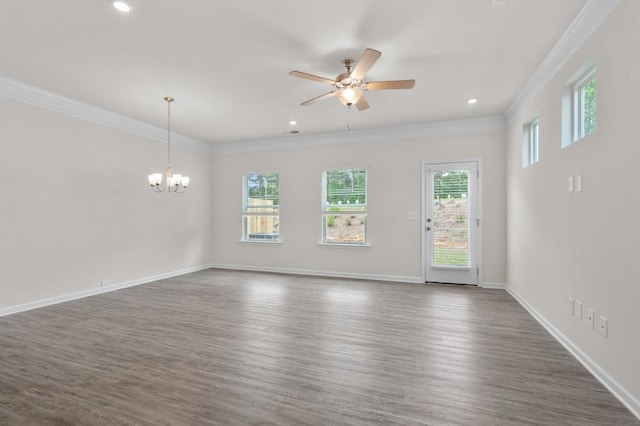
(395, 84)
(311, 77)
(366, 61)
(319, 98)
(362, 104)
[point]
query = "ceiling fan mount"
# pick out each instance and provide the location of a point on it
(350, 84)
(348, 64)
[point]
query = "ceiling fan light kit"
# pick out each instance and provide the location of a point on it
(350, 85)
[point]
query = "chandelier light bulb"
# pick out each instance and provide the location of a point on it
(155, 179)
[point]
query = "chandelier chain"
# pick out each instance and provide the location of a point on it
(169, 100)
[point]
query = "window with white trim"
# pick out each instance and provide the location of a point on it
(530, 137)
(261, 207)
(579, 107)
(344, 206)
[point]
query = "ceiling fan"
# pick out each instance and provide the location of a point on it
(350, 84)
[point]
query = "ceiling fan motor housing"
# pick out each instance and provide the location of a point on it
(345, 80)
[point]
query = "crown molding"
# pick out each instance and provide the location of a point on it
(32, 95)
(590, 17)
(21, 92)
(588, 20)
(485, 124)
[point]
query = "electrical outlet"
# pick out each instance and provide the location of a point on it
(590, 317)
(603, 326)
(571, 306)
(105, 282)
(577, 310)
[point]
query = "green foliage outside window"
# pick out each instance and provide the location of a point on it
(451, 184)
(346, 187)
(264, 187)
(589, 102)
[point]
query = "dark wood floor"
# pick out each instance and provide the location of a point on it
(241, 348)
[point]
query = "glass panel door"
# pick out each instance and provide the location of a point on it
(451, 225)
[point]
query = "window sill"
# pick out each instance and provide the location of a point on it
(364, 245)
(261, 242)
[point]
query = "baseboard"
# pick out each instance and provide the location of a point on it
(313, 272)
(117, 286)
(493, 286)
(95, 291)
(623, 395)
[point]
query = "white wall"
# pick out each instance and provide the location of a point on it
(76, 208)
(393, 159)
(584, 244)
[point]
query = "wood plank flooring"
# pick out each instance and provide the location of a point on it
(240, 348)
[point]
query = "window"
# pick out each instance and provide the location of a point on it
(584, 101)
(344, 206)
(530, 133)
(261, 207)
(579, 107)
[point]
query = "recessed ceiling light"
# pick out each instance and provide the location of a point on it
(292, 123)
(122, 6)
(472, 101)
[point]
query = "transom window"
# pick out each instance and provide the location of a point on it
(530, 143)
(584, 99)
(261, 207)
(344, 206)
(579, 107)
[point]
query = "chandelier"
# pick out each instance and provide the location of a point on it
(175, 182)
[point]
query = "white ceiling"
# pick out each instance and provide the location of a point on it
(227, 63)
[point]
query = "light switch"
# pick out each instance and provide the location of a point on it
(570, 186)
(578, 183)
(578, 309)
(590, 317)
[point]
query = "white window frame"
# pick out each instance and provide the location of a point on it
(327, 210)
(248, 212)
(573, 117)
(530, 142)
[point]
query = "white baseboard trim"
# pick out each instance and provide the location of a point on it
(493, 286)
(624, 396)
(95, 291)
(313, 272)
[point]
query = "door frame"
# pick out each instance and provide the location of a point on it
(423, 223)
